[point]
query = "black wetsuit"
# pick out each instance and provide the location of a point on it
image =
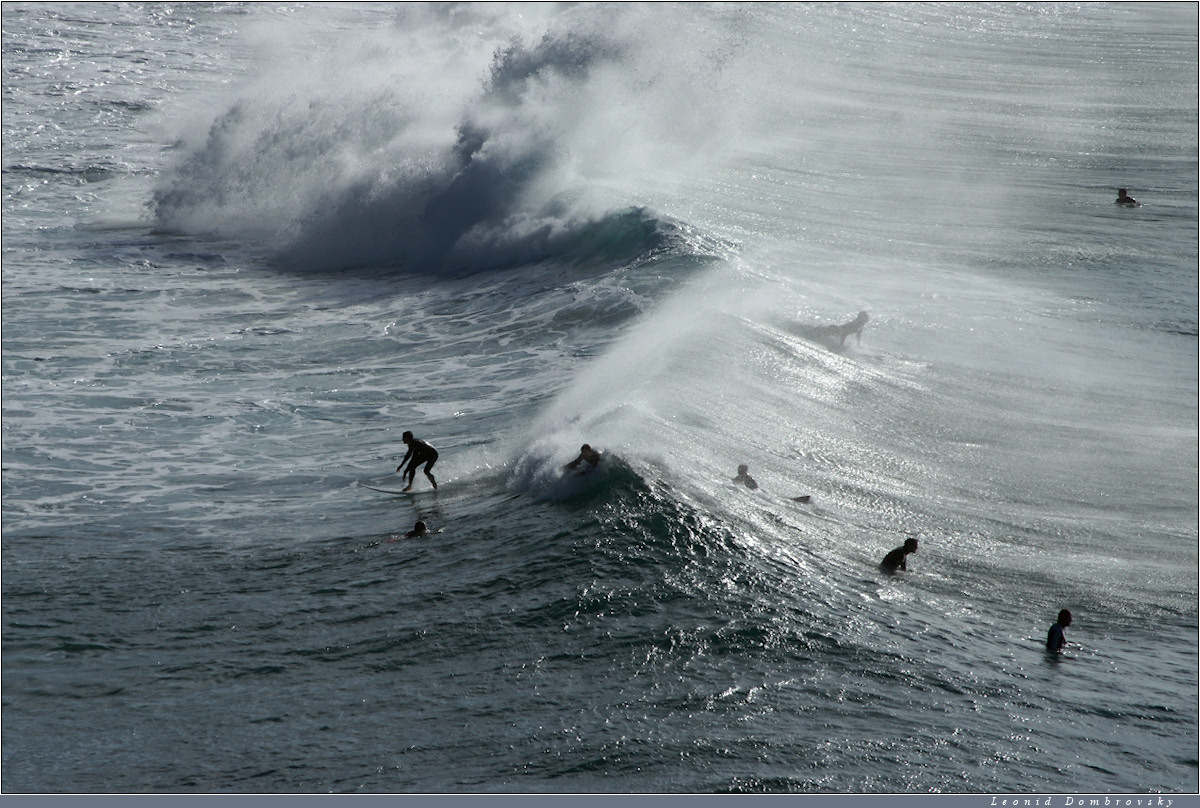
(895, 560)
(420, 452)
(1054, 638)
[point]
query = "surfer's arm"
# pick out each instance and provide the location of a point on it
(407, 455)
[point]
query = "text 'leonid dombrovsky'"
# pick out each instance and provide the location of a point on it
(1085, 802)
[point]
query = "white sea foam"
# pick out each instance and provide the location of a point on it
(386, 150)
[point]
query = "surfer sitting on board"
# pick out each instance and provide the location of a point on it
(420, 452)
(1125, 200)
(744, 477)
(895, 559)
(1054, 638)
(586, 455)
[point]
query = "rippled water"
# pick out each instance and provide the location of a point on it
(247, 246)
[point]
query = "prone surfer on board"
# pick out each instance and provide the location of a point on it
(420, 452)
(837, 333)
(844, 330)
(586, 455)
(743, 478)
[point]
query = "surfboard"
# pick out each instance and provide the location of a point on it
(390, 490)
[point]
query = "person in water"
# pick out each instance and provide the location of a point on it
(1055, 641)
(895, 560)
(840, 332)
(1125, 200)
(420, 452)
(586, 455)
(743, 477)
(419, 529)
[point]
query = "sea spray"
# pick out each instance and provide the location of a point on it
(426, 168)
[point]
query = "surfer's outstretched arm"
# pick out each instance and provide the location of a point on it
(407, 455)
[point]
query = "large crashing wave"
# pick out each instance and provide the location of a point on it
(422, 171)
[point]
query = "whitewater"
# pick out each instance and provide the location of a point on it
(247, 246)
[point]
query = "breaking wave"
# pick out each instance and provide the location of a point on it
(428, 167)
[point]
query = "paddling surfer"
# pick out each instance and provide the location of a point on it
(743, 477)
(844, 330)
(420, 452)
(838, 333)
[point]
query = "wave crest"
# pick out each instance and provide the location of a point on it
(385, 176)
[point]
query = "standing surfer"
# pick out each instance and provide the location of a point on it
(420, 452)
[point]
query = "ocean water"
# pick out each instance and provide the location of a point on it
(247, 246)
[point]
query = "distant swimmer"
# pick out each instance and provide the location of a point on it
(1055, 641)
(743, 477)
(419, 529)
(420, 452)
(895, 560)
(1125, 200)
(586, 455)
